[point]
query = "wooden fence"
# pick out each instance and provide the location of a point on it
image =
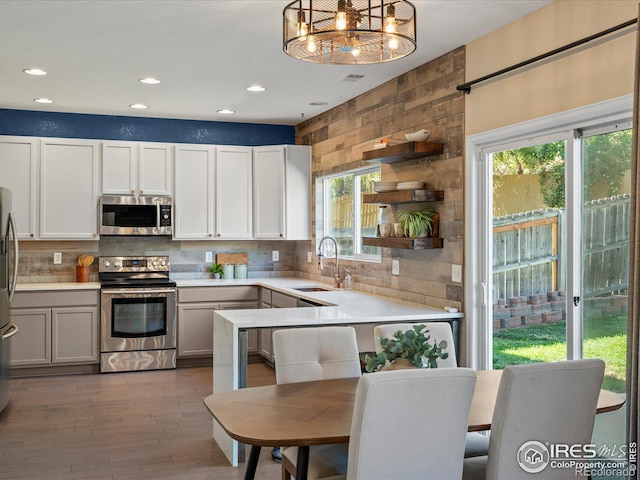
(606, 246)
(529, 256)
(342, 207)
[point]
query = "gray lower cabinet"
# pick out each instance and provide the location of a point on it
(55, 328)
(195, 316)
(272, 299)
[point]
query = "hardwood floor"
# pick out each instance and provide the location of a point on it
(121, 426)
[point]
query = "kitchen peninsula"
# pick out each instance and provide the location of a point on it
(339, 307)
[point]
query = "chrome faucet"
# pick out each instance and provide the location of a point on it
(337, 277)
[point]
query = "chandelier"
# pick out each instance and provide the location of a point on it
(347, 32)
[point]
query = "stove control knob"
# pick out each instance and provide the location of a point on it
(116, 264)
(163, 263)
(107, 263)
(154, 263)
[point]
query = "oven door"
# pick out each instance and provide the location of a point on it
(138, 319)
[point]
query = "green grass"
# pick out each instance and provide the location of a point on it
(605, 338)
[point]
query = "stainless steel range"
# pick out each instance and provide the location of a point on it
(138, 314)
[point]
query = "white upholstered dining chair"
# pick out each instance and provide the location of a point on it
(549, 403)
(477, 444)
(410, 424)
(307, 354)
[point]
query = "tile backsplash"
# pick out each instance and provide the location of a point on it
(187, 258)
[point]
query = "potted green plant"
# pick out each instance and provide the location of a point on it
(413, 346)
(217, 269)
(416, 223)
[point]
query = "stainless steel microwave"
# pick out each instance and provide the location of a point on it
(131, 215)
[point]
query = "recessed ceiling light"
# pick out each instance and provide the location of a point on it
(34, 71)
(318, 104)
(42, 100)
(256, 88)
(141, 106)
(226, 111)
(149, 80)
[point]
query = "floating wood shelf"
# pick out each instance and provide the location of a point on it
(404, 196)
(403, 151)
(403, 242)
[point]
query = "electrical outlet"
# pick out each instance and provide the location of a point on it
(275, 255)
(57, 258)
(395, 267)
(208, 256)
(456, 273)
(309, 257)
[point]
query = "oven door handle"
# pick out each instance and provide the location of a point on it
(139, 290)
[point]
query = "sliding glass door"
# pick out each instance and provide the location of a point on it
(530, 311)
(557, 253)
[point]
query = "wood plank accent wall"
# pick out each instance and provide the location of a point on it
(425, 97)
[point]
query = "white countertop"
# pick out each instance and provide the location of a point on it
(36, 287)
(341, 305)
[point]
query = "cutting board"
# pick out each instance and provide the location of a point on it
(232, 258)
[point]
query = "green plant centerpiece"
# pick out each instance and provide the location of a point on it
(217, 270)
(413, 345)
(416, 223)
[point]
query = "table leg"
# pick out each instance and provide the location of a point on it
(302, 465)
(252, 463)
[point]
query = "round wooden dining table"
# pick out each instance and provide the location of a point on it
(319, 412)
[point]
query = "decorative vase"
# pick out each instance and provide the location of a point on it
(398, 364)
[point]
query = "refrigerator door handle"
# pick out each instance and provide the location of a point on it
(14, 280)
(10, 332)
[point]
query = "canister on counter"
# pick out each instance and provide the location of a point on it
(228, 271)
(241, 270)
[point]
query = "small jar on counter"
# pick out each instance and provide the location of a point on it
(241, 270)
(227, 271)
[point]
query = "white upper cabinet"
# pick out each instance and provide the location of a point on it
(194, 197)
(19, 173)
(282, 192)
(134, 168)
(69, 189)
(233, 193)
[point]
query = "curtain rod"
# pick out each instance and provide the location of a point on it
(466, 87)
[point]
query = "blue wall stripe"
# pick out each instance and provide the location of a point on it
(141, 129)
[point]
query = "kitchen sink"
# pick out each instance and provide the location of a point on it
(312, 289)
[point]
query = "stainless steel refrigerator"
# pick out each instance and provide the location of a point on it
(8, 279)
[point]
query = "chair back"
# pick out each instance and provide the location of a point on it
(307, 354)
(410, 424)
(438, 331)
(549, 403)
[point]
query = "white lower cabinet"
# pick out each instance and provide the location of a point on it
(196, 306)
(55, 328)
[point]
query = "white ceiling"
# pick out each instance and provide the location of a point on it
(205, 53)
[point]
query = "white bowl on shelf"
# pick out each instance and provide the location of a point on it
(410, 185)
(419, 136)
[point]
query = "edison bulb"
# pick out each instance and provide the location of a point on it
(311, 45)
(390, 25)
(393, 43)
(341, 20)
(302, 29)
